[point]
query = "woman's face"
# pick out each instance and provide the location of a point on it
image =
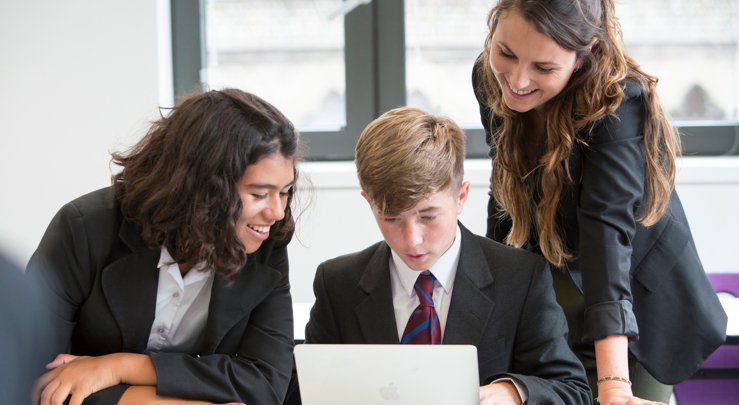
(530, 67)
(263, 189)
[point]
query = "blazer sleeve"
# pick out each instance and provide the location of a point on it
(542, 360)
(322, 326)
(611, 191)
(63, 270)
(498, 226)
(258, 370)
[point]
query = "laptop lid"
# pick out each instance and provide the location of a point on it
(387, 374)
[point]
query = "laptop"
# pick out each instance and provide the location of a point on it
(345, 374)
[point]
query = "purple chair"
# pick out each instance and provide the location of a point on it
(717, 381)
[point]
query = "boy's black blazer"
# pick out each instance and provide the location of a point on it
(502, 302)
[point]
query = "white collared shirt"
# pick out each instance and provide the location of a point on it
(182, 306)
(403, 279)
(405, 300)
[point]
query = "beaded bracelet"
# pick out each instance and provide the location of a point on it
(613, 378)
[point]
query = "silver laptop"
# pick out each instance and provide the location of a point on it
(387, 374)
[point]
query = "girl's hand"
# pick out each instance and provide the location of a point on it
(76, 377)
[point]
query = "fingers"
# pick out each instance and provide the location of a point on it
(42, 383)
(60, 359)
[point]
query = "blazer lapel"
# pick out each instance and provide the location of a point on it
(230, 302)
(375, 313)
(129, 285)
(471, 308)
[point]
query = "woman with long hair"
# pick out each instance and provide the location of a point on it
(171, 286)
(583, 173)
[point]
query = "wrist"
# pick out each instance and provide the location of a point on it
(613, 378)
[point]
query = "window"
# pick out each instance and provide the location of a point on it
(333, 73)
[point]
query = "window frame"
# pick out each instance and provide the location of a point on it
(376, 84)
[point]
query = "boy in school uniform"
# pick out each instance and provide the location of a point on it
(432, 281)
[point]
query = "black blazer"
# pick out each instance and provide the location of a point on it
(101, 281)
(630, 274)
(502, 302)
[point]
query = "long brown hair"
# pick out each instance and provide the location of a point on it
(178, 183)
(595, 90)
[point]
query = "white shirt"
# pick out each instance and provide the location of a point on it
(403, 279)
(405, 300)
(182, 306)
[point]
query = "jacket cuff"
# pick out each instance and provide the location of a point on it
(610, 318)
(110, 395)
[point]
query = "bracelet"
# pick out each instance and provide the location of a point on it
(613, 378)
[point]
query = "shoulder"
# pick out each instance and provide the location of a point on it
(627, 120)
(352, 265)
(96, 206)
(504, 260)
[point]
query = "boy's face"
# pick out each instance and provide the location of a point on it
(425, 232)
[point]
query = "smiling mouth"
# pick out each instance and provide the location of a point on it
(520, 92)
(260, 229)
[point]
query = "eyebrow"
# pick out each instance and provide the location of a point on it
(270, 186)
(505, 47)
(428, 209)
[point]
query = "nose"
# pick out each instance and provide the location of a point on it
(519, 77)
(276, 209)
(412, 234)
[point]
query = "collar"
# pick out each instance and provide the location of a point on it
(167, 263)
(444, 269)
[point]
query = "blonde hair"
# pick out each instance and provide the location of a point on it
(405, 155)
(594, 91)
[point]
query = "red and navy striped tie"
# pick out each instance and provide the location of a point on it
(423, 326)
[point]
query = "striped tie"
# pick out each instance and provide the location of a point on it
(423, 325)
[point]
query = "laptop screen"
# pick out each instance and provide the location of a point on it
(387, 374)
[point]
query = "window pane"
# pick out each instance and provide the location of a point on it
(443, 38)
(691, 46)
(290, 52)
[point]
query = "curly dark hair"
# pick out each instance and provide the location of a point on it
(178, 183)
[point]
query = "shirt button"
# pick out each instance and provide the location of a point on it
(176, 295)
(160, 330)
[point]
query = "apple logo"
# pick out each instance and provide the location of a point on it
(389, 392)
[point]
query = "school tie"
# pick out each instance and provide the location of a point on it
(423, 325)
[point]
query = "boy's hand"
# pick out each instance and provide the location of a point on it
(499, 393)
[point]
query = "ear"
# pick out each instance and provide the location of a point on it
(589, 49)
(464, 192)
(365, 197)
(592, 44)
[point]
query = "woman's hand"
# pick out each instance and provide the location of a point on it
(76, 377)
(499, 393)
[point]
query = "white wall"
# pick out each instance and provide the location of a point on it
(81, 78)
(339, 221)
(78, 79)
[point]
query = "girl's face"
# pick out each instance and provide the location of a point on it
(530, 67)
(264, 190)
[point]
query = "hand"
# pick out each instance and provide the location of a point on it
(76, 377)
(499, 393)
(618, 393)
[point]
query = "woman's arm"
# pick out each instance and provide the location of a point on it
(247, 361)
(78, 377)
(143, 395)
